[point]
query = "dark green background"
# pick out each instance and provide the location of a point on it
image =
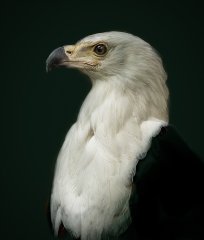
(38, 108)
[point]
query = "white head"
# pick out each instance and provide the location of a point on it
(122, 59)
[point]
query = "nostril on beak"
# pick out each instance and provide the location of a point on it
(69, 52)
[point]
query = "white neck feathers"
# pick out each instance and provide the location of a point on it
(98, 160)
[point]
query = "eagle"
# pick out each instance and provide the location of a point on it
(123, 171)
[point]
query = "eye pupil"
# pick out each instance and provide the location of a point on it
(100, 49)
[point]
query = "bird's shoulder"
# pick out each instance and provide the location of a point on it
(168, 195)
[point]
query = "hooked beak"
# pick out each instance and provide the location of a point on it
(57, 58)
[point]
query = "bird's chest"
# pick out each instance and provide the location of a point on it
(92, 182)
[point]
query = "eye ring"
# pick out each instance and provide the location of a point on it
(100, 49)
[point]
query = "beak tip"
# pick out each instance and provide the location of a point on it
(49, 64)
(55, 58)
(48, 69)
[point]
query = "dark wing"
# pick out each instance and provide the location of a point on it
(167, 201)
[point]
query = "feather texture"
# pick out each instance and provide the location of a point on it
(125, 108)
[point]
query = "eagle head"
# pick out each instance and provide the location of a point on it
(120, 60)
(108, 54)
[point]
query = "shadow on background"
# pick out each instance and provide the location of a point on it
(39, 108)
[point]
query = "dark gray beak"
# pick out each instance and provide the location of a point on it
(56, 59)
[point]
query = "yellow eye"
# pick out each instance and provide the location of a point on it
(100, 49)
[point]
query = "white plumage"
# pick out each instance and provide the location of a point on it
(126, 106)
